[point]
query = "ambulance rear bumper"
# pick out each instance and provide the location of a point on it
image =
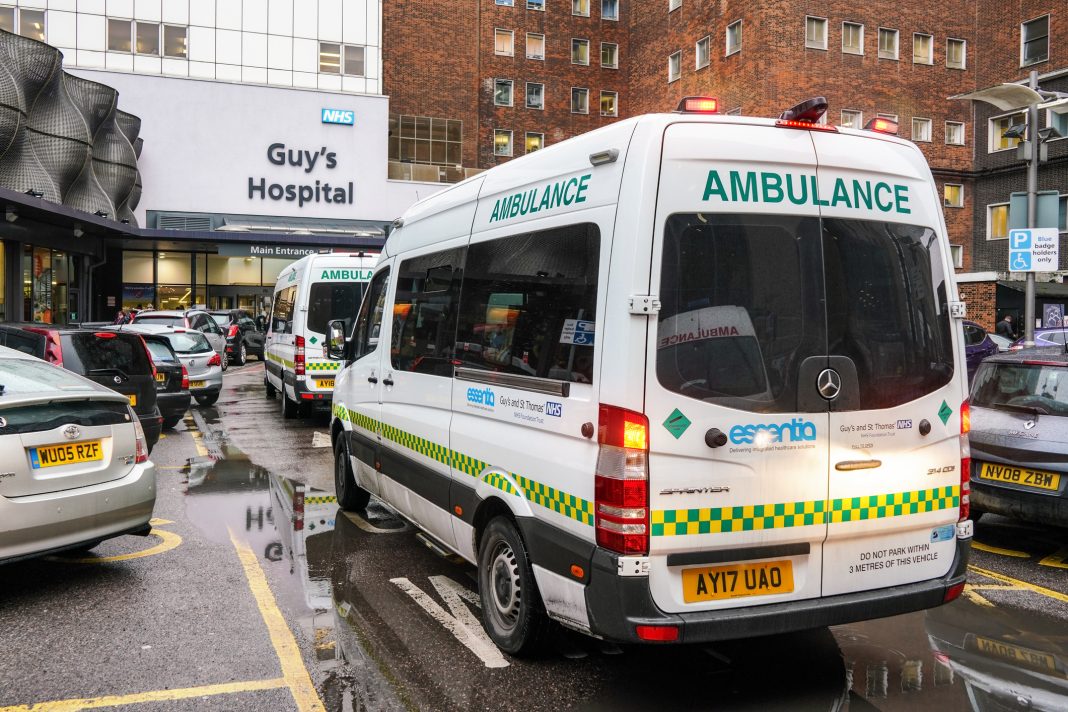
(618, 605)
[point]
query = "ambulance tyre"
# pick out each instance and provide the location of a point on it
(512, 612)
(268, 388)
(289, 407)
(350, 496)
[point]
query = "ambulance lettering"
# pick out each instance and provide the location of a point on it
(554, 195)
(352, 275)
(802, 189)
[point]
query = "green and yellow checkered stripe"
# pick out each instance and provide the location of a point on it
(321, 366)
(325, 499)
(495, 480)
(424, 447)
(557, 500)
(681, 522)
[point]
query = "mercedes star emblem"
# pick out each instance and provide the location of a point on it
(118, 379)
(3, 423)
(1027, 426)
(829, 383)
(72, 432)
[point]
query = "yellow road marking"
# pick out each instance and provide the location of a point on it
(998, 550)
(183, 693)
(975, 597)
(168, 541)
(1058, 560)
(198, 441)
(285, 645)
(1041, 590)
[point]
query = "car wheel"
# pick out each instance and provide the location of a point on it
(169, 423)
(289, 407)
(512, 611)
(242, 355)
(350, 496)
(207, 400)
(225, 360)
(268, 388)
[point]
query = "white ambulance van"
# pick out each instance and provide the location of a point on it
(686, 377)
(309, 294)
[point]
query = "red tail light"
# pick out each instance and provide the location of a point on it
(232, 332)
(621, 485)
(658, 633)
(141, 442)
(953, 593)
(298, 510)
(185, 379)
(298, 359)
(104, 335)
(215, 360)
(965, 462)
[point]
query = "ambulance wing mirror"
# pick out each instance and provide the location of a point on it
(335, 339)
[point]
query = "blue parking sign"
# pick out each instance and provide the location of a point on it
(1019, 239)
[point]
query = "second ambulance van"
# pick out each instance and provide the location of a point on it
(683, 378)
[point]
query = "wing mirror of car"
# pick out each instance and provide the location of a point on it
(335, 339)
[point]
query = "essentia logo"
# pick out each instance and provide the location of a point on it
(481, 397)
(794, 431)
(339, 116)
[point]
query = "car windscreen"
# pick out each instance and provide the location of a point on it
(89, 351)
(18, 375)
(27, 342)
(160, 351)
(159, 320)
(1037, 387)
(189, 342)
(332, 300)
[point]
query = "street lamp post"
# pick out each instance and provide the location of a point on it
(1032, 208)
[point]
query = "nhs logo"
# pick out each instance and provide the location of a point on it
(554, 409)
(339, 116)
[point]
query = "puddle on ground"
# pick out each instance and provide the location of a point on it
(336, 575)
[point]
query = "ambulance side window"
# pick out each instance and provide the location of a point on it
(528, 304)
(369, 320)
(424, 312)
(282, 317)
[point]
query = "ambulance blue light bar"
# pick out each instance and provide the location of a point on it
(698, 105)
(806, 115)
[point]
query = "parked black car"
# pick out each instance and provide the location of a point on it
(172, 380)
(114, 359)
(1019, 436)
(243, 337)
(19, 339)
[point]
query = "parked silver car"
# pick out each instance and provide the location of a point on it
(74, 467)
(1019, 436)
(195, 319)
(204, 365)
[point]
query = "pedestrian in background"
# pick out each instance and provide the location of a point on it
(1005, 328)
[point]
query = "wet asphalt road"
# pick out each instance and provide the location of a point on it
(243, 603)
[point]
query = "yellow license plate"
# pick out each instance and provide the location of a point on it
(133, 399)
(161, 377)
(197, 384)
(1024, 656)
(1020, 476)
(324, 382)
(69, 454)
(715, 583)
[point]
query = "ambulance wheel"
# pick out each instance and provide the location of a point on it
(350, 496)
(289, 407)
(512, 612)
(268, 389)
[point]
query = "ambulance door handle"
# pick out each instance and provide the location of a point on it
(387, 381)
(372, 379)
(850, 465)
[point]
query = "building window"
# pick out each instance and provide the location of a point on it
(538, 5)
(609, 9)
(892, 117)
(956, 54)
(423, 139)
(852, 119)
(954, 133)
(734, 37)
(957, 253)
(175, 43)
(701, 52)
(609, 103)
(535, 95)
(922, 49)
(1034, 41)
(674, 66)
(7, 24)
(502, 142)
(32, 24)
(120, 35)
(1059, 121)
(503, 41)
(609, 55)
(816, 32)
(354, 61)
(535, 46)
(580, 51)
(534, 142)
(674, 5)
(509, 3)
(999, 125)
(921, 130)
(997, 221)
(502, 92)
(580, 100)
(147, 38)
(888, 40)
(330, 56)
(580, 7)
(953, 195)
(1062, 217)
(852, 38)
